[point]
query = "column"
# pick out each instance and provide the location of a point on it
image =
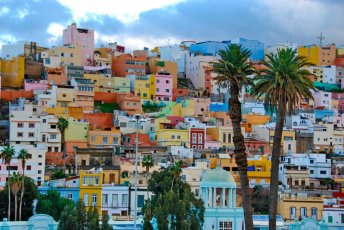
(234, 197)
(206, 200)
(229, 198)
(223, 197)
(214, 197)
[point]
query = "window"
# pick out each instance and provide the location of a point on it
(225, 225)
(39, 171)
(329, 219)
(322, 172)
(115, 140)
(157, 89)
(105, 140)
(292, 213)
(312, 171)
(314, 213)
(167, 81)
(114, 200)
(96, 180)
(303, 212)
(124, 200)
(93, 138)
(20, 125)
(342, 218)
(200, 138)
(31, 134)
(194, 138)
(44, 120)
(94, 199)
(173, 137)
(28, 167)
(62, 54)
(140, 201)
(167, 90)
(52, 136)
(31, 125)
(105, 199)
(86, 199)
(20, 134)
(53, 126)
(70, 196)
(84, 180)
(224, 138)
(312, 161)
(229, 138)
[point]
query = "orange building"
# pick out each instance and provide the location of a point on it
(104, 138)
(99, 120)
(129, 103)
(129, 139)
(10, 95)
(177, 93)
(339, 61)
(56, 76)
(250, 120)
(105, 97)
(126, 64)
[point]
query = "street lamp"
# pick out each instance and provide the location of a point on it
(137, 119)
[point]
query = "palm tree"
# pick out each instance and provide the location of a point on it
(15, 184)
(282, 84)
(6, 156)
(23, 155)
(147, 162)
(233, 69)
(176, 170)
(62, 125)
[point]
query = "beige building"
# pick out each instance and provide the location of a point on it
(323, 137)
(102, 83)
(63, 55)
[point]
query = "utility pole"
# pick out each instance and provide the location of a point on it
(321, 38)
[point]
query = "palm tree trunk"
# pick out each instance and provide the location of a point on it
(275, 159)
(240, 154)
(22, 194)
(9, 194)
(15, 206)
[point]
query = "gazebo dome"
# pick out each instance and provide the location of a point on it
(218, 178)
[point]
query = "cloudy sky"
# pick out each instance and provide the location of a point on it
(139, 23)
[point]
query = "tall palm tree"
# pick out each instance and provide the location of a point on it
(233, 69)
(6, 156)
(282, 84)
(62, 125)
(15, 184)
(23, 155)
(147, 162)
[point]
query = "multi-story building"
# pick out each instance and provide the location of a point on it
(318, 56)
(197, 138)
(83, 37)
(325, 74)
(127, 64)
(91, 188)
(68, 188)
(102, 83)
(256, 47)
(142, 87)
(102, 56)
(122, 85)
(163, 86)
(157, 65)
(104, 138)
(259, 171)
(12, 72)
(84, 89)
(115, 200)
(29, 128)
(63, 55)
(22, 48)
(323, 138)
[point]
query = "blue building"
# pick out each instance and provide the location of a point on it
(208, 48)
(218, 191)
(67, 187)
(256, 47)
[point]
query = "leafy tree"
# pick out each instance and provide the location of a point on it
(7, 154)
(260, 200)
(62, 125)
(233, 69)
(80, 215)
(105, 223)
(30, 195)
(23, 155)
(92, 218)
(68, 218)
(147, 162)
(15, 183)
(176, 170)
(59, 174)
(175, 208)
(52, 204)
(283, 84)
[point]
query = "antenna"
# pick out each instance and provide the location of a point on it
(321, 38)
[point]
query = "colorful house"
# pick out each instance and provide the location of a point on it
(104, 138)
(12, 72)
(91, 188)
(259, 171)
(163, 86)
(122, 85)
(142, 87)
(126, 64)
(318, 56)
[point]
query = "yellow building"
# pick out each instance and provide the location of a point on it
(68, 55)
(170, 137)
(12, 72)
(102, 56)
(317, 55)
(122, 84)
(288, 140)
(223, 134)
(152, 86)
(142, 87)
(296, 206)
(112, 175)
(104, 138)
(102, 83)
(91, 188)
(188, 108)
(259, 170)
(249, 120)
(77, 130)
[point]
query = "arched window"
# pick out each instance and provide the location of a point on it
(314, 212)
(303, 212)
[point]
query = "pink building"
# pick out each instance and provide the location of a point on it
(210, 143)
(322, 100)
(84, 37)
(30, 85)
(202, 106)
(163, 86)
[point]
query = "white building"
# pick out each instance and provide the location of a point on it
(174, 53)
(13, 50)
(142, 196)
(322, 99)
(115, 200)
(29, 128)
(193, 175)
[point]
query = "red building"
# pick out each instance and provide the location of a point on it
(197, 138)
(129, 139)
